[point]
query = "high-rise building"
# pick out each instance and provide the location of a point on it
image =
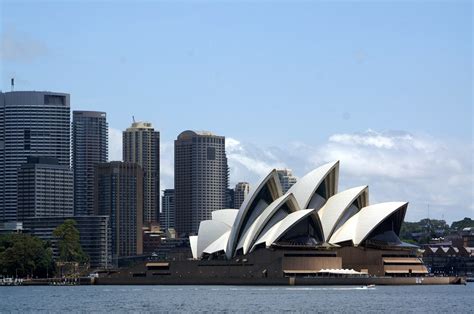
(241, 191)
(94, 235)
(287, 179)
(167, 216)
(200, 179)
(31, 124)
(119, 192)
(45, 189)
(229, 198)
(141, 145)
(89, 148)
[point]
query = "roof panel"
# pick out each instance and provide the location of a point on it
(305, 187)
(358, 227)
(336, 206)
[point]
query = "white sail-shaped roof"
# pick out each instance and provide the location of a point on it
(226, 216)
(359, 226)
(218, 245)
(210, 231)
(305, 188)
(260, 223)
(279, 229)
(193, 243)
(337, 207)
(254, 203)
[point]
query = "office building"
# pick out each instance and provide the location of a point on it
(119, 194)
(229, 198)
(45, 188)
(31, 124)
(94, 235)
(241, 191)
(141, 145)
(201, 178)
(167, 216)
(89, 148)
(287, 179)
(10, 227)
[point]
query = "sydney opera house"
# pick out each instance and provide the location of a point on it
(312, 234)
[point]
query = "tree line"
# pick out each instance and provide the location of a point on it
(24, 255)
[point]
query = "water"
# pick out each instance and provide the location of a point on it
(400, 299)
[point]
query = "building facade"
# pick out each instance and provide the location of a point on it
(94, 235)
(89, 148)
(45, 188)
(119, 192)
(141, 145)
(201, 178)
(167, 216)
(287, 179)
(31, 124)
(241, 191)
(229, 198)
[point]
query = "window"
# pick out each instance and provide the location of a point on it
(211, 153)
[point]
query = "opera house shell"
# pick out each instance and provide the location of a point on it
(313, 213)
(312, 229)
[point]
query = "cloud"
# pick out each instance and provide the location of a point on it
(167, 165)
(115, 144)
(20, 47)
(248, 162)
(435, 176)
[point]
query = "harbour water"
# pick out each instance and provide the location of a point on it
(400, 299)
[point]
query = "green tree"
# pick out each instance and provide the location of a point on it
(24, 255)
(69, 247)
(461, 224)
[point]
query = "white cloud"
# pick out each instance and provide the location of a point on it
(397, 166)
(248, 162)
(166, 165)
(115, 144)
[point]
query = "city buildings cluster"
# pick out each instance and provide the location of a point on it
(53, 168)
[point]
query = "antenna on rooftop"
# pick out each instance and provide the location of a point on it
(13, 83)
(133, 118)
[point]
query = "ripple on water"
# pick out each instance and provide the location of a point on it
(237, 299)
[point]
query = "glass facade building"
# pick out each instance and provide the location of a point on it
(44, 189)
(31, 124)
(89, 148)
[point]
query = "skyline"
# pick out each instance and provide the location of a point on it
(278, 72)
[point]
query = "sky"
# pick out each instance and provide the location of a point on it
(383, 86)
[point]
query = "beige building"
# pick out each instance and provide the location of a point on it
(241, 191)
(141, 145)
(287, 179)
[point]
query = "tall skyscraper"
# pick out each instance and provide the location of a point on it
(167, 216)
(44, 189)
(31, 124)
(287, 179)
(141, 145)
(200, 179)
(89, 148)
(241, 191)
(119, 194)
